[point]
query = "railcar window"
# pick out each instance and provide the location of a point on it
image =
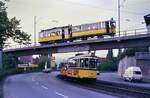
(92, 63)
(99, 25)
(44, 34)
(102, 25)
(86, 63)
(49, 33)
(72, 63)
(81, 63)
(95, 26)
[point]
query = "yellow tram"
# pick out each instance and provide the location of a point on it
(81, 67)
(83, 31)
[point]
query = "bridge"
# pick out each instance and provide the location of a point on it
(134, 39)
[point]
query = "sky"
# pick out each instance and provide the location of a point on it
(76, 12)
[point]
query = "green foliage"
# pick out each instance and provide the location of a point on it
(7, 72)
(108, 65)
(131, 52)
(9, 66)
(9, 28)
(9, 61)
(42, 61)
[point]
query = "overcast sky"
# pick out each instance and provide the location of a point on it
(76, 12)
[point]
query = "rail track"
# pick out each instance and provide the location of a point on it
(121, 90)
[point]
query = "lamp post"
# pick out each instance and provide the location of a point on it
(119, 17)
(34, 30)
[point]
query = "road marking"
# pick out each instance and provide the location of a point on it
(44, 87)
(61, 95)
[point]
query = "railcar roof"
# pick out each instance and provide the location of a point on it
(54, 28)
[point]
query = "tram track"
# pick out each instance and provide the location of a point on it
(121, 90)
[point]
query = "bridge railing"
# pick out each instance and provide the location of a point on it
(132, 32)
(125, 33)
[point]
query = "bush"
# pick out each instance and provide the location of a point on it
(131, 52)
(4, 73)
(42, 61)
(109, 65)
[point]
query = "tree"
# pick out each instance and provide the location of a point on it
(9, 28)
(42, 61)
(9, 61)
(131, 52)
(108, 65)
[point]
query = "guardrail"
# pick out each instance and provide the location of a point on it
(125, 33)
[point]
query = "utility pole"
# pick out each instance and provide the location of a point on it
(119, 50)
(34, 30)
(119, 17)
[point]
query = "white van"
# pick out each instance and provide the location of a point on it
(133, 74)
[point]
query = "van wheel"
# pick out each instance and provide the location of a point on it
(130, 79)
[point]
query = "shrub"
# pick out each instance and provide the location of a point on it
(109, 65)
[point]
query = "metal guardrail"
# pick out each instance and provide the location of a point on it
(126, 33)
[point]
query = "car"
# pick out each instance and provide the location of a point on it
(98, 72)
(133, 74)
(48, 70)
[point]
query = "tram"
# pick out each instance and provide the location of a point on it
(81, 67)
(83, 32)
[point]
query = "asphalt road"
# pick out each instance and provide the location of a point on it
(42, 85)
(113, 77)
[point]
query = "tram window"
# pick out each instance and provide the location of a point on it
(99, 25)
(86, 63)
(72, 63)
(81, 63)
(48, 33)
(92, 63)
(102, 25)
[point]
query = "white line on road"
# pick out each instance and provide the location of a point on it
(61, 95)
(44, 87)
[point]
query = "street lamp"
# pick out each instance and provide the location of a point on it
(34, 30)
(119, 17)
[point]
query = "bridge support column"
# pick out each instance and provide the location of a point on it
(49, 60)
(1, 64)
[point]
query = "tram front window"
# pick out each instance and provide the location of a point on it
(84, 63)
(92, 63)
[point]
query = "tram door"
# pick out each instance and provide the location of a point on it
(63, 34)
(107, 26)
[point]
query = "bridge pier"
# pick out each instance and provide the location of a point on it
(1, 64)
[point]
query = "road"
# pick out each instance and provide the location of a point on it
(113, 77)
(42, 85)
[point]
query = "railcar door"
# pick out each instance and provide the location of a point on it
(63, 34)
(107, 26)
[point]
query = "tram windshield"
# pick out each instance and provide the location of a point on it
(88, 63)
(92, 63)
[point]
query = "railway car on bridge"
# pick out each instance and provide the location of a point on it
(83, 31)
(81, 67)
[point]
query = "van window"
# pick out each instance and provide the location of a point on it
(137, 72)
